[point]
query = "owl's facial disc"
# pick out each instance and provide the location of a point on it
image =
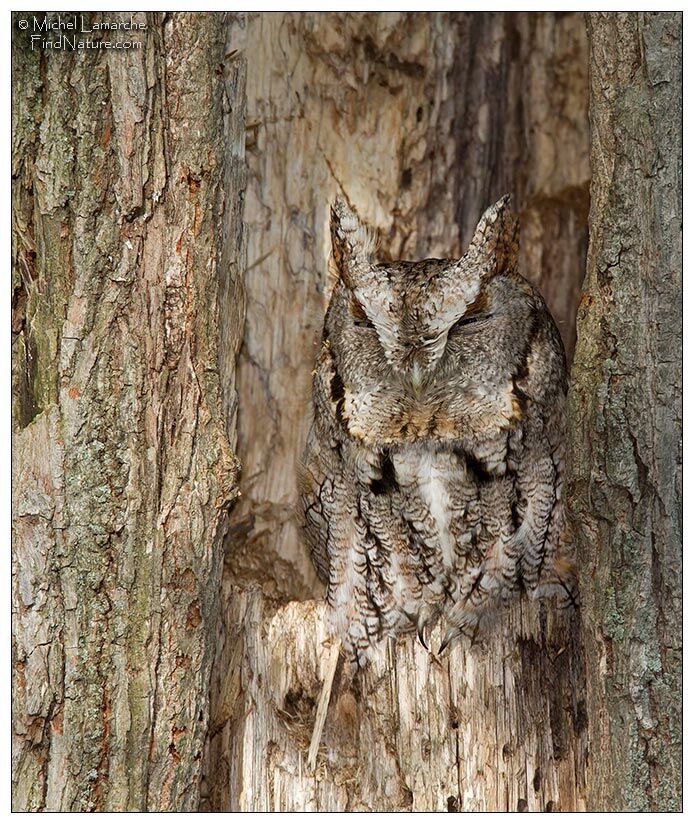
(413, 308)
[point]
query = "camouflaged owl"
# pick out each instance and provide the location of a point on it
(431, 484)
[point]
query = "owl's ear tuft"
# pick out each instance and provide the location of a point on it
(495, 242)
(353, 242)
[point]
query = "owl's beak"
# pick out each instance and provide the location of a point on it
(417, 379)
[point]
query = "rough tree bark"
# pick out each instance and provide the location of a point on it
(626, 415)
(122, 466)
(422, 120)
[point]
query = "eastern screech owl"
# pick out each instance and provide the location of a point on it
(431, 483)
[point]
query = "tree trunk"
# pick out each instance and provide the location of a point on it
(422, 120)
(626, 415)
(122, 466)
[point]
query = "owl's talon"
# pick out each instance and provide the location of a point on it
(420, 635)
(419, 620)
(447, 638)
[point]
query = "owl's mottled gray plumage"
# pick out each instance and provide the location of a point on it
(431, 483)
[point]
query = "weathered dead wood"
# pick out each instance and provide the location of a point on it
(495, 728)
(422, 120)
